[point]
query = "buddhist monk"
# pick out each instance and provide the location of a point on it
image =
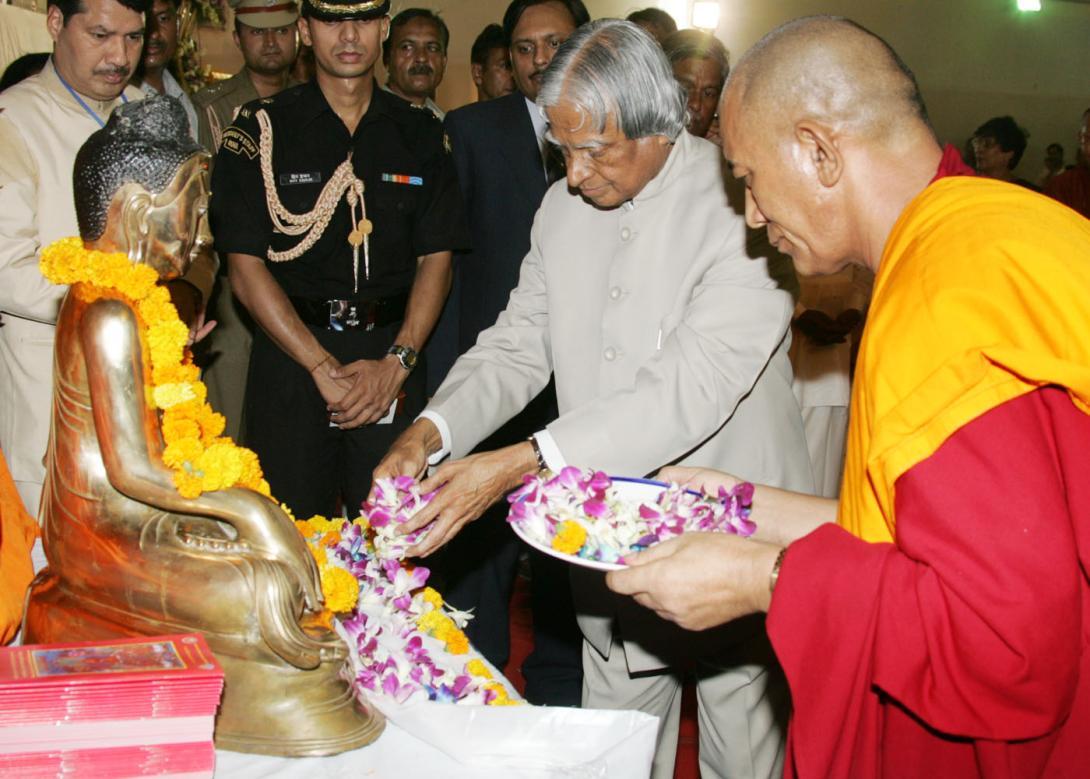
(935, 622)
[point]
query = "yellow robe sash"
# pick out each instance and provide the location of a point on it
(982, 295)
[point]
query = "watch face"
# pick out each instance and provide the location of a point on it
(405, 355)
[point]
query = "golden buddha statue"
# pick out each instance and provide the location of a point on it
(128, 555)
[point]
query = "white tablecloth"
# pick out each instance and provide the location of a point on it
(527, 742)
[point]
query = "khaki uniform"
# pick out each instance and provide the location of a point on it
(218, 104)
(42, 127)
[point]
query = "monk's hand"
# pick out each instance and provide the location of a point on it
(375, 386)
(408, 456)
(699, 580)
(468, 487)
(706, 480)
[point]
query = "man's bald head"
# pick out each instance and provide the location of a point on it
(831, 70)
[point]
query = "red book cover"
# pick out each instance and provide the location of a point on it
(144, 658)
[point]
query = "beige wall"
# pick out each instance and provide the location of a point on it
(974, 58)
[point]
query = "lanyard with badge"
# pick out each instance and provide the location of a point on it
(82, 102)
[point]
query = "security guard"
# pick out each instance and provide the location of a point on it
(337, 207)
(266, 34)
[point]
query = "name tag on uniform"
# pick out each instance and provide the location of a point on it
(400, 178)
(287, 179)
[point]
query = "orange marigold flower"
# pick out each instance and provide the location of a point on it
(457, 643)
(570, 537)
(175, 428)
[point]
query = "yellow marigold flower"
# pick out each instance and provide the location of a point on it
(433, 597)
(319, 554)
(340, 588)
(477, 667)
(188, 486)
(502, 697)
(167, 395)
(184, 451)
(431, 622)
(570, 537)
(219, 465)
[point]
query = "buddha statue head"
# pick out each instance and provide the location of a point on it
(141, 187)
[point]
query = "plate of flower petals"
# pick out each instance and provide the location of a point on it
(593, 520)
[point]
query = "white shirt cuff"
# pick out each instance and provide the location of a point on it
(444, 434)
(550, 451)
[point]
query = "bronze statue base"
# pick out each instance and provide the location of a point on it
(295, 713)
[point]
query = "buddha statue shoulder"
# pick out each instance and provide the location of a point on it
(127, 553)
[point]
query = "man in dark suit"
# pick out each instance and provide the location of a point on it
(504, 167)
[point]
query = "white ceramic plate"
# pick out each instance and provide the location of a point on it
(628, 490)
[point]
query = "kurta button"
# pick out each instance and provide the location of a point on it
(615, 293)
(610, 353)
(625, 233)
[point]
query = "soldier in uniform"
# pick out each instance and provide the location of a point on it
(265, 33)
(337, 207)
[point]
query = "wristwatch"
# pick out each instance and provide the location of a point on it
(405, 355)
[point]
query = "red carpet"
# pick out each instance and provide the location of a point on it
(687, 765)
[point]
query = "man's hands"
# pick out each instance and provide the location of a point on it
(189, 304)
(699, 580)
(409, 454)
(469, 486)
(370, 387)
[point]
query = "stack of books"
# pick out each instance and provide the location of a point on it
(121, 708)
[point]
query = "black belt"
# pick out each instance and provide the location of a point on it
(351, 314)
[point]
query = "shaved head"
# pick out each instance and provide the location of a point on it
(831, 70)
(825, 124)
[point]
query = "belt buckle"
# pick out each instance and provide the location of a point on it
(343, 315)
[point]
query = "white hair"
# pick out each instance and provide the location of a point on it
(614, 67)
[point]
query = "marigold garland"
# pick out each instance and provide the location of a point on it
(195, 450)
(203, 460)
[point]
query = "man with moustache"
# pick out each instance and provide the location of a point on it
(337, 207)
(490, 64)
(266, 35)
(504, 167)
(43, 122)
(160, 44)
(415, 57)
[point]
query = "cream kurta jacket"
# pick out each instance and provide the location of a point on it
(41, 129)
(667, 334)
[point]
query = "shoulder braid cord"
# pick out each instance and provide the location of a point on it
(343, 182)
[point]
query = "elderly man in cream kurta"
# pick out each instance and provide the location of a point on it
(43, 122)
(667, 336)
